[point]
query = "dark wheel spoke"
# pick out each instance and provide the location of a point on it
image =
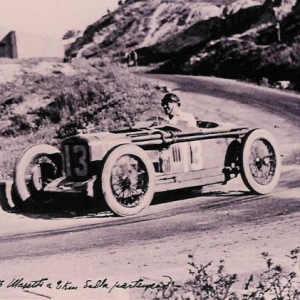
(129, 180)
(262, 161)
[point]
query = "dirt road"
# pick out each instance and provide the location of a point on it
(222, 222)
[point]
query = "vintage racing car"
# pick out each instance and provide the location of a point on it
(125, 168)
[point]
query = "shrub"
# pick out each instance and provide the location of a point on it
(104, 98)
(274, 283)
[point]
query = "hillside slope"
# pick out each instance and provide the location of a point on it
(42, 101)
(238, 40)
(254, 54)
(138, 24)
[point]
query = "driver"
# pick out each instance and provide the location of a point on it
(175, 116)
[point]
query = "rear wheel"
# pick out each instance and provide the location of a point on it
(36, 167)
(260, 161)
(128, 180)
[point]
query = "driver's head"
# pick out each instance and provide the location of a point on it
(170, 103)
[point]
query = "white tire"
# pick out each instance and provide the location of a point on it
(260, 161)
(27, 171)
(127, 180)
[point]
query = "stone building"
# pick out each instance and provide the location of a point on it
(8, 45)
(20, 45)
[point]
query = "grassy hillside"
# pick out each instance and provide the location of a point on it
(44, 101)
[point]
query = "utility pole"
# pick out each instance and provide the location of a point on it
(281, 12)
(278, 32)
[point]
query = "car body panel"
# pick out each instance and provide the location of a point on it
(181, 156)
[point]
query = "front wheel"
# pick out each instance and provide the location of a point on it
(128, 180)
(260, 161)
(36, 167)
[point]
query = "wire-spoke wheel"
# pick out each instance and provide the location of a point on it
(260, 161)
(128, 180)
(36, 167)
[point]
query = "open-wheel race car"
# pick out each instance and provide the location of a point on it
(125, 168)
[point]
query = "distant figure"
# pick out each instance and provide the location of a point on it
(132, 59)
(175, 116)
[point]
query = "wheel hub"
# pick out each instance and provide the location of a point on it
(125, 183)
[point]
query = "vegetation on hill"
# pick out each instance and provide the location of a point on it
(249, 40)
(254, 55)
(44, 101)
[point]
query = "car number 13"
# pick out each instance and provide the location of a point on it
(76, 160)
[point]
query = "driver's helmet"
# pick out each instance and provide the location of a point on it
(170, 97)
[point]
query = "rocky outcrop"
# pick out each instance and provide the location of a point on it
(257, 51)
(138, 24)
(247, 39)
(231, 22)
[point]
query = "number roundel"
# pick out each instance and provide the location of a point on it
(76, 160)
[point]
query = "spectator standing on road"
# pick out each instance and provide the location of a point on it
(132, 59)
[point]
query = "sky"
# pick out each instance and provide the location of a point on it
(52, 17)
